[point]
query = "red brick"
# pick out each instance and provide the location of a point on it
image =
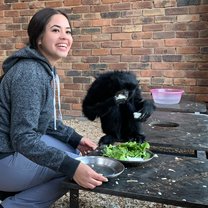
(72, 86)
(84, 23)
(154, 12)
(164, 3)
(124, 21)
(142, 35)
(130, 58)
(110, 1)
(174, 74)
(90, 2)
(11, 13)
(155, 27)
(143, 5)
(177, 11)
(198, 42)
(196, 74)
(4, 34)
(100, 8)
(80, 52)
(140, 66)
(90, 59)
(91, 45)
(176, 42)
(189, 34)
(101, 52)
(21, 5)
(198, 9)
(82, 38)
(196, 58)
(118, 66)
(202, 82)
(184, 81)
(102, 22)
(72, 2)
(165, 50)
(163, 35)
(153, 43)
(142, 51)
(121, 36)
(131, 13)
(81, 9)
(80, 66)
(203, 66)
(202, 98)
(184, 66)
(150, 73)
(54, 4)
(144, 20)
(111, 29)
(111, 44)
(124, 51)
(162, 66)
(132, 43)
(121, 6)
(110, 59)
(188, 50)
(101, 37)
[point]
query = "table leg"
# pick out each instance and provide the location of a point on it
(74, 198)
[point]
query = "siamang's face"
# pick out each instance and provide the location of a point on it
(126, 84)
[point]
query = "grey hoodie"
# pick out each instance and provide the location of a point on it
(27, 112)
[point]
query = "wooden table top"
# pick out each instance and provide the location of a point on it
(179, 130)
(180, 181)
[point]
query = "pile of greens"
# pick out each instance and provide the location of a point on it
(127, 150)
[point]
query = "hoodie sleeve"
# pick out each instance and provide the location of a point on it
(28, 91)
(64, 133)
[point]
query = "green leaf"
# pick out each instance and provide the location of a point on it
(128, 149)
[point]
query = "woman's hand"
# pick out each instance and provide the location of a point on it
(86, 177)
(86, 145)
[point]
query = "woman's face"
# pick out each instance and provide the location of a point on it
(56, 40)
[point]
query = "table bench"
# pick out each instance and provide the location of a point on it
(167, 179)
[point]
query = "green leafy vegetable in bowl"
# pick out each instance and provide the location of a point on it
(128, 151)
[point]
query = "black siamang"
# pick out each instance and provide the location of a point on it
(115, 97)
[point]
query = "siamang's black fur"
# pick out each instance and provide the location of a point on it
(117, 116)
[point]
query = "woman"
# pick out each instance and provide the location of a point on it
(36, 150)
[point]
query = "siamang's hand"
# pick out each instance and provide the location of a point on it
(121, 96)
(146, 111)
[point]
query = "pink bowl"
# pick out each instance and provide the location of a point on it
(166, 95)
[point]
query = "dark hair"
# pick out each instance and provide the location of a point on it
(38, 23)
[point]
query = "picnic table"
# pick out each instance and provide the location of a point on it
(185, 106)
(177, 130)
(171, 178)
(167, 179)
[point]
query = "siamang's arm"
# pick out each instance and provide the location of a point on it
(98, 109)
(145, 107)
(101, 108)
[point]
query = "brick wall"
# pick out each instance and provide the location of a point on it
(165, 42)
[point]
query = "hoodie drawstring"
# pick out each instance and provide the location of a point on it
(56, 85)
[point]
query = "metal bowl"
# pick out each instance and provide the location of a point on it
(106, 166)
